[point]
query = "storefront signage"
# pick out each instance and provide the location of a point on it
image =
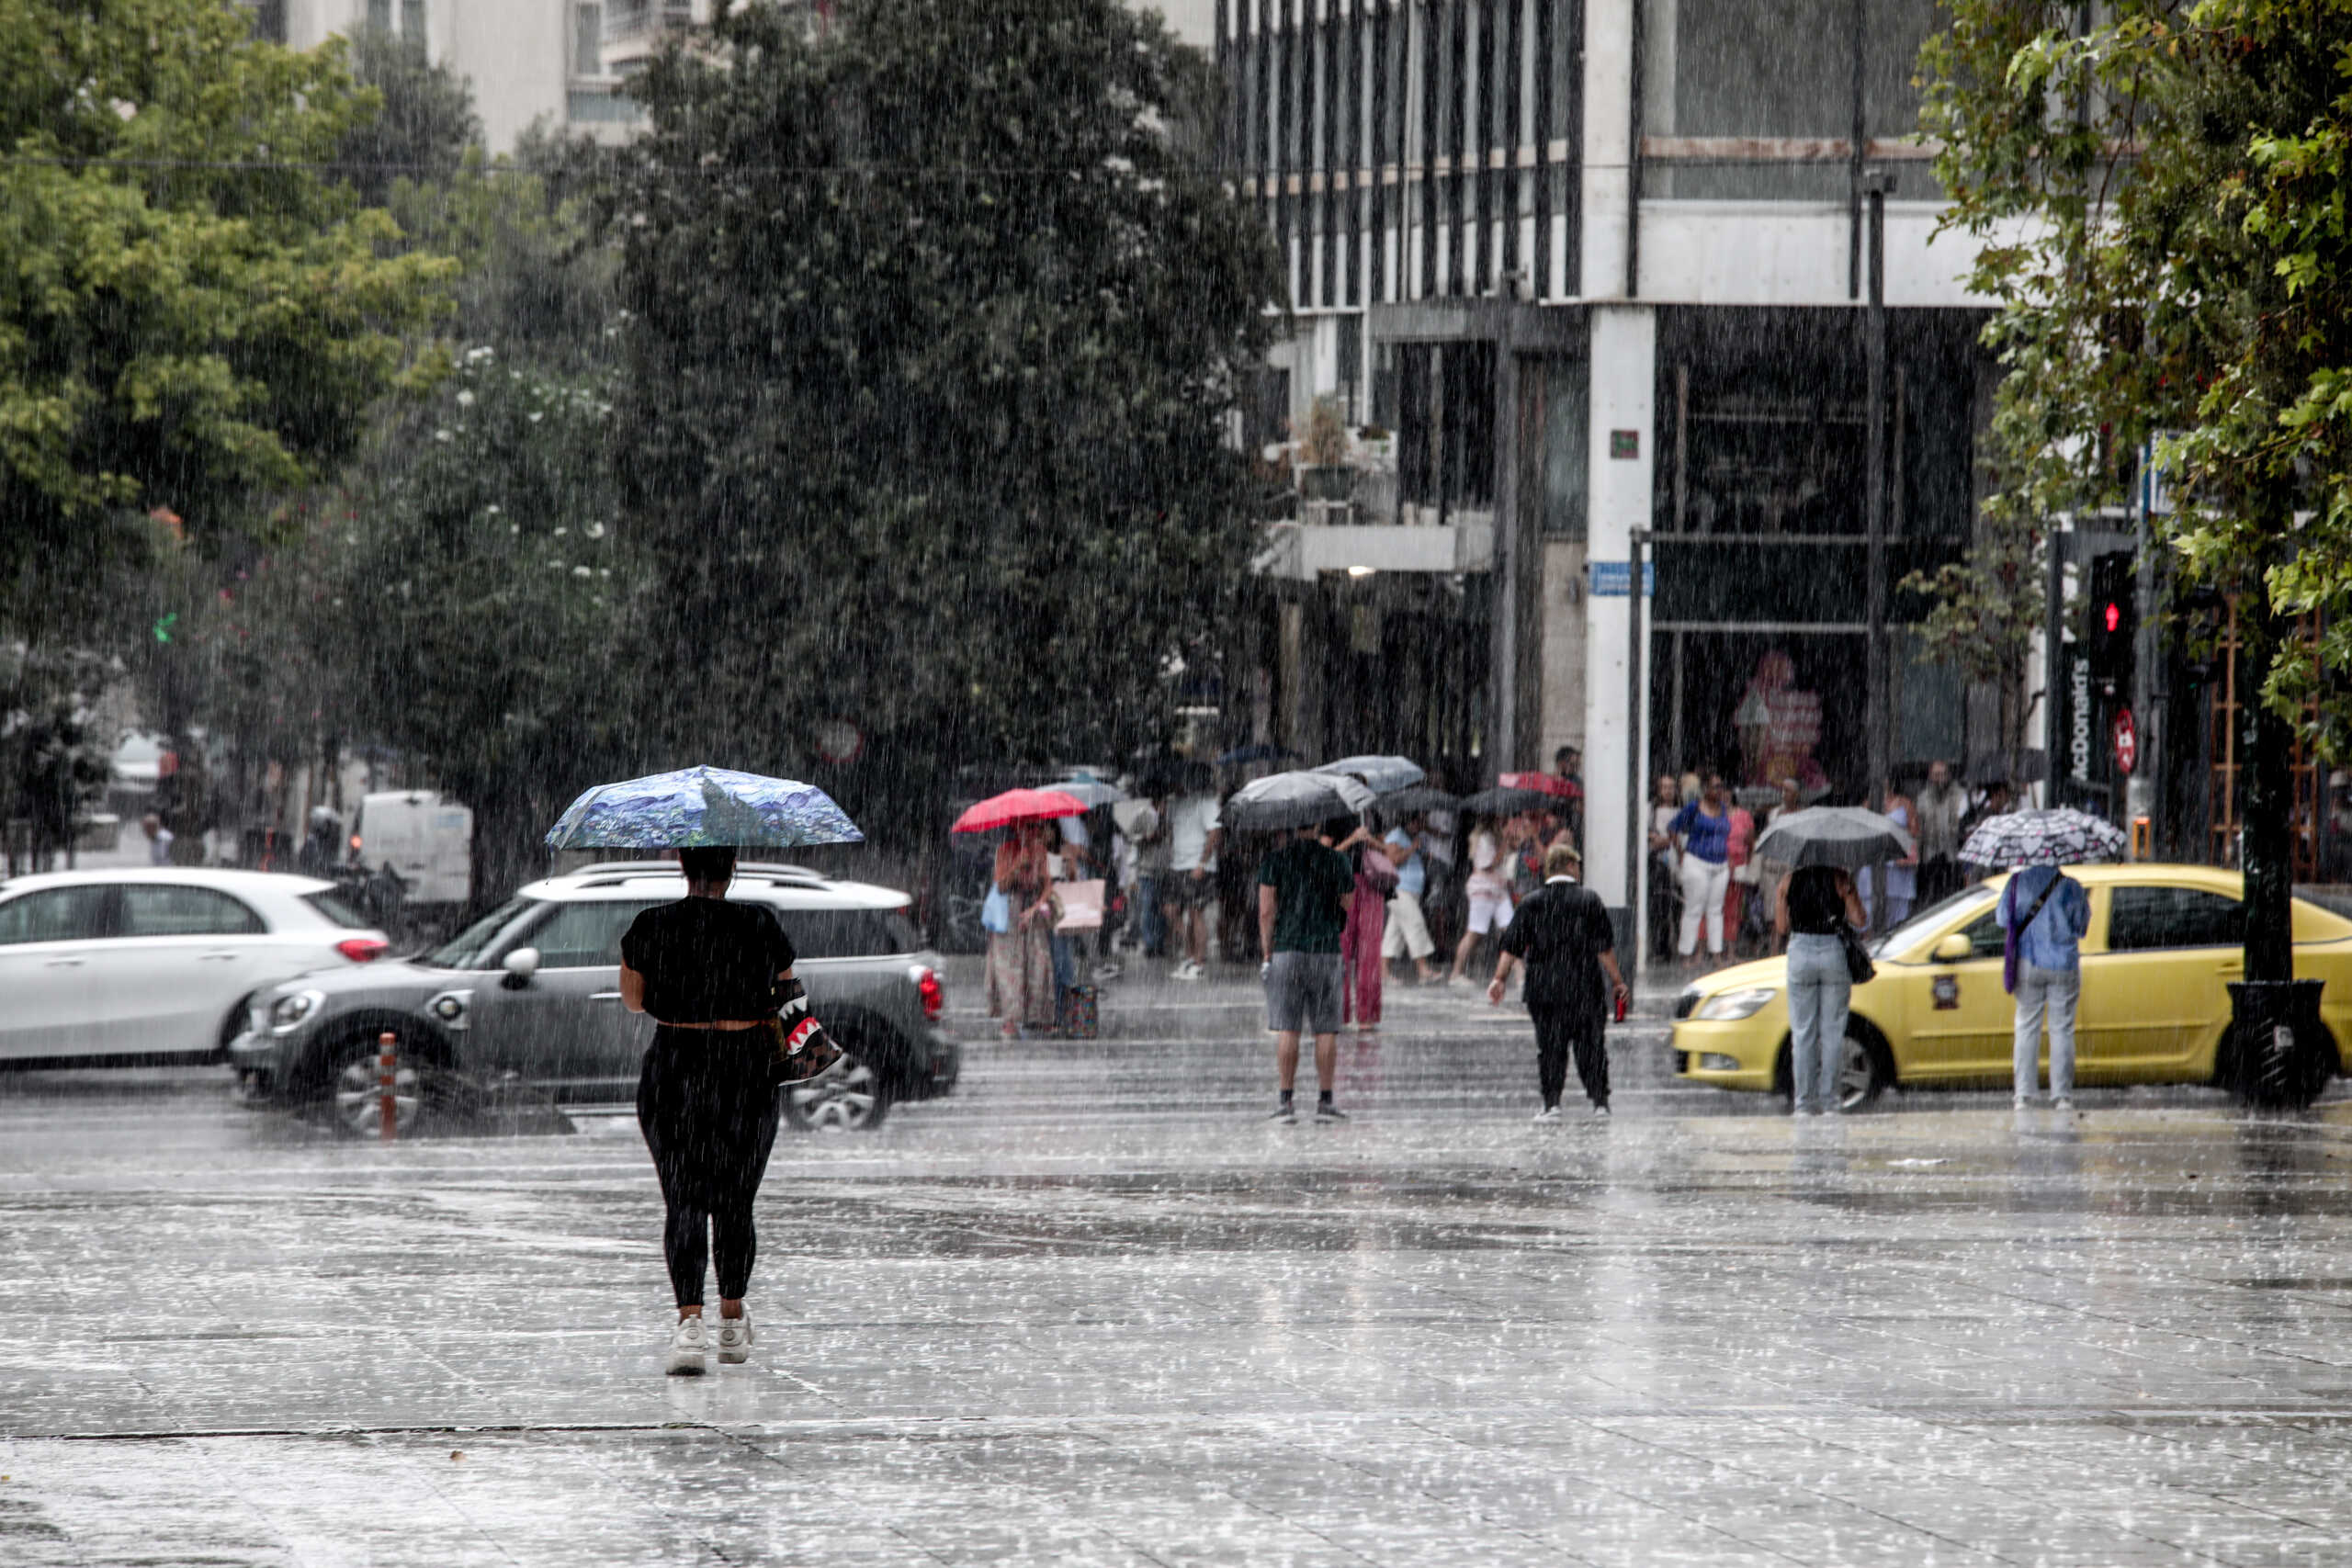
(2078, 739)
(1624, 442)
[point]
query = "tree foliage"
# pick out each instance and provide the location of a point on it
(189, 314)
(2159, 203)
(423, 123)
(935, 316)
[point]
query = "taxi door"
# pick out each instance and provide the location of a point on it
(2155, 993)
(1956, 1016)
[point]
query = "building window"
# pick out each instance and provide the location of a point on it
(413, 21)
(587, 41)
(380, 15)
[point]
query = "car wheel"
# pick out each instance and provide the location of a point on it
(354, 1094)
(1861, 1076)
(233, 1025)
(854, 1099)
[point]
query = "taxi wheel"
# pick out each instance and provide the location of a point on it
(1862, 1076)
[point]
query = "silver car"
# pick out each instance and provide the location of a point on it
(529, 995)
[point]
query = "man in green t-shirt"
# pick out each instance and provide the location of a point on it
(1303, 890)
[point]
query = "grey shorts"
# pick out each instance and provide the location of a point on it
(1303, 993)
(1183, 890)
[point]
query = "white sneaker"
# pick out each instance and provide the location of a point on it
(1600, 1110)
(735, 1339)
(1188, 970)
(2062, 1103)
(1549, 1113)
(686, 1347)
(2023, 1102)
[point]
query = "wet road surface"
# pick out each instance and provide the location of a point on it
(1093, 1309)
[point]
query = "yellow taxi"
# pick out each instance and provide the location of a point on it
(2164, 942)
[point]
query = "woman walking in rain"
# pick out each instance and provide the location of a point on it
(715, 977)
(1815, 902)
(1020, 958)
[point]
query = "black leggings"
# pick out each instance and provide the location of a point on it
(1560, 1031)
(708, 1109)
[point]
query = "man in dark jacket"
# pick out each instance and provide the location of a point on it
(1561, 932)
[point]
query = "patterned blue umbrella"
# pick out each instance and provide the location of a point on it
(2063, 837)
(696, 807)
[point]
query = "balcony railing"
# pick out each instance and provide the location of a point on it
(626, 22)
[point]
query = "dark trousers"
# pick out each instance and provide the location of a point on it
(1561, 1031)
(1938, 878)
(708, 1106)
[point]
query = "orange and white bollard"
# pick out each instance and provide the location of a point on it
(388, 1107)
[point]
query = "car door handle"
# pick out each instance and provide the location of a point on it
(66, 963)
(605, 996)
(218, 958)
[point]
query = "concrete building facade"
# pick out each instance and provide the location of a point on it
(1576, 273)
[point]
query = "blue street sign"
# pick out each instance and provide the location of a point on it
(1612, 579)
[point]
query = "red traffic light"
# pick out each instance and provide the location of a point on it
(2114, 614)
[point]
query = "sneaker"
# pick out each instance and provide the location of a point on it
(1600, 1110)
(2062, 1103)
(2022, 1102)
(1188, 970)
(735, 1339)
(1457, 980)
(1549, 1113)
(1285, 1113)
(687, 1344)
(1108, 970)
(1326, 1112)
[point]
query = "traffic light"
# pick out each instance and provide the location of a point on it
(2114, 613)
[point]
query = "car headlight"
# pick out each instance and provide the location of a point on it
(291, 1012)
(1745, 1003)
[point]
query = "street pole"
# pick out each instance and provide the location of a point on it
(2054, 658)
(1876, 185)
(1637, 859)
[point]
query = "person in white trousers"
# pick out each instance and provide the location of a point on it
(1703, 831)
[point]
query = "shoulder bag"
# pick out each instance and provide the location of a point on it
(1858, 967)
(2015, 934)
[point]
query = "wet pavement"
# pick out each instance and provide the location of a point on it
(1094, 1309)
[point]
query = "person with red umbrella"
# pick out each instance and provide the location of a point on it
(1022, 906)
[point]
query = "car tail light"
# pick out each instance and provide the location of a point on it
(361, 949)
(934, 994)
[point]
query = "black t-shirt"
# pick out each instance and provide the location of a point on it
(1816, 906)
(705, 960)
(1311, 882)
(1559, 931)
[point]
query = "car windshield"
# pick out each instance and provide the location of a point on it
(334, 906)
(465, 949)
(1928, 918)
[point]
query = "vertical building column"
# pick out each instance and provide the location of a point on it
(1606, 182)
(1619, 485)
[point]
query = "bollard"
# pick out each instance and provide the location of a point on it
(388, 1109)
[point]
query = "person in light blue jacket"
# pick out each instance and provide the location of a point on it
(2045, 913)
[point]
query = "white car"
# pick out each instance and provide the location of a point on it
(131, 967)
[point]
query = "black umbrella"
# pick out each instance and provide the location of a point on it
(1296, 800)
(1420, 798)
(1501, 802)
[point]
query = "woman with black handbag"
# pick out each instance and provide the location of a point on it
(1818, 912)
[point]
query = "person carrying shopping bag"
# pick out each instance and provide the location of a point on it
(2045, 913)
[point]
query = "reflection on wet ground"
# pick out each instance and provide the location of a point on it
(1093, 1309)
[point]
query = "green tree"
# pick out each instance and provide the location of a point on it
(486, 603)
(2160, 207)
(936, 312)
(423, 122)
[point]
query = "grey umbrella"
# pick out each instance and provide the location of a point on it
(1294, 800)
(1385, 774)
(1834, 835)
(1501, 802)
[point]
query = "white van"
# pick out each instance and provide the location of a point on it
(426, 841)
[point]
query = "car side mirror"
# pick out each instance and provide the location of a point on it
(520, 966)
(1954, 949)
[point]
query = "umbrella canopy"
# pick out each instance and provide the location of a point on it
(1088, 790)
(1545, 783)
(1383, 773)
(1016, 805)
(1405, 802)
(1296, 800)
(1500, 802)
(702, 807)
(2062, 837)
(1834, 835)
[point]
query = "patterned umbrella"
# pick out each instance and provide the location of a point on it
(703, 808)
(2062, 837)
(1088, 790)
(1385, 774)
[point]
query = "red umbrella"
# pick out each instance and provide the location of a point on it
(1548, 784)
(1017, 805)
